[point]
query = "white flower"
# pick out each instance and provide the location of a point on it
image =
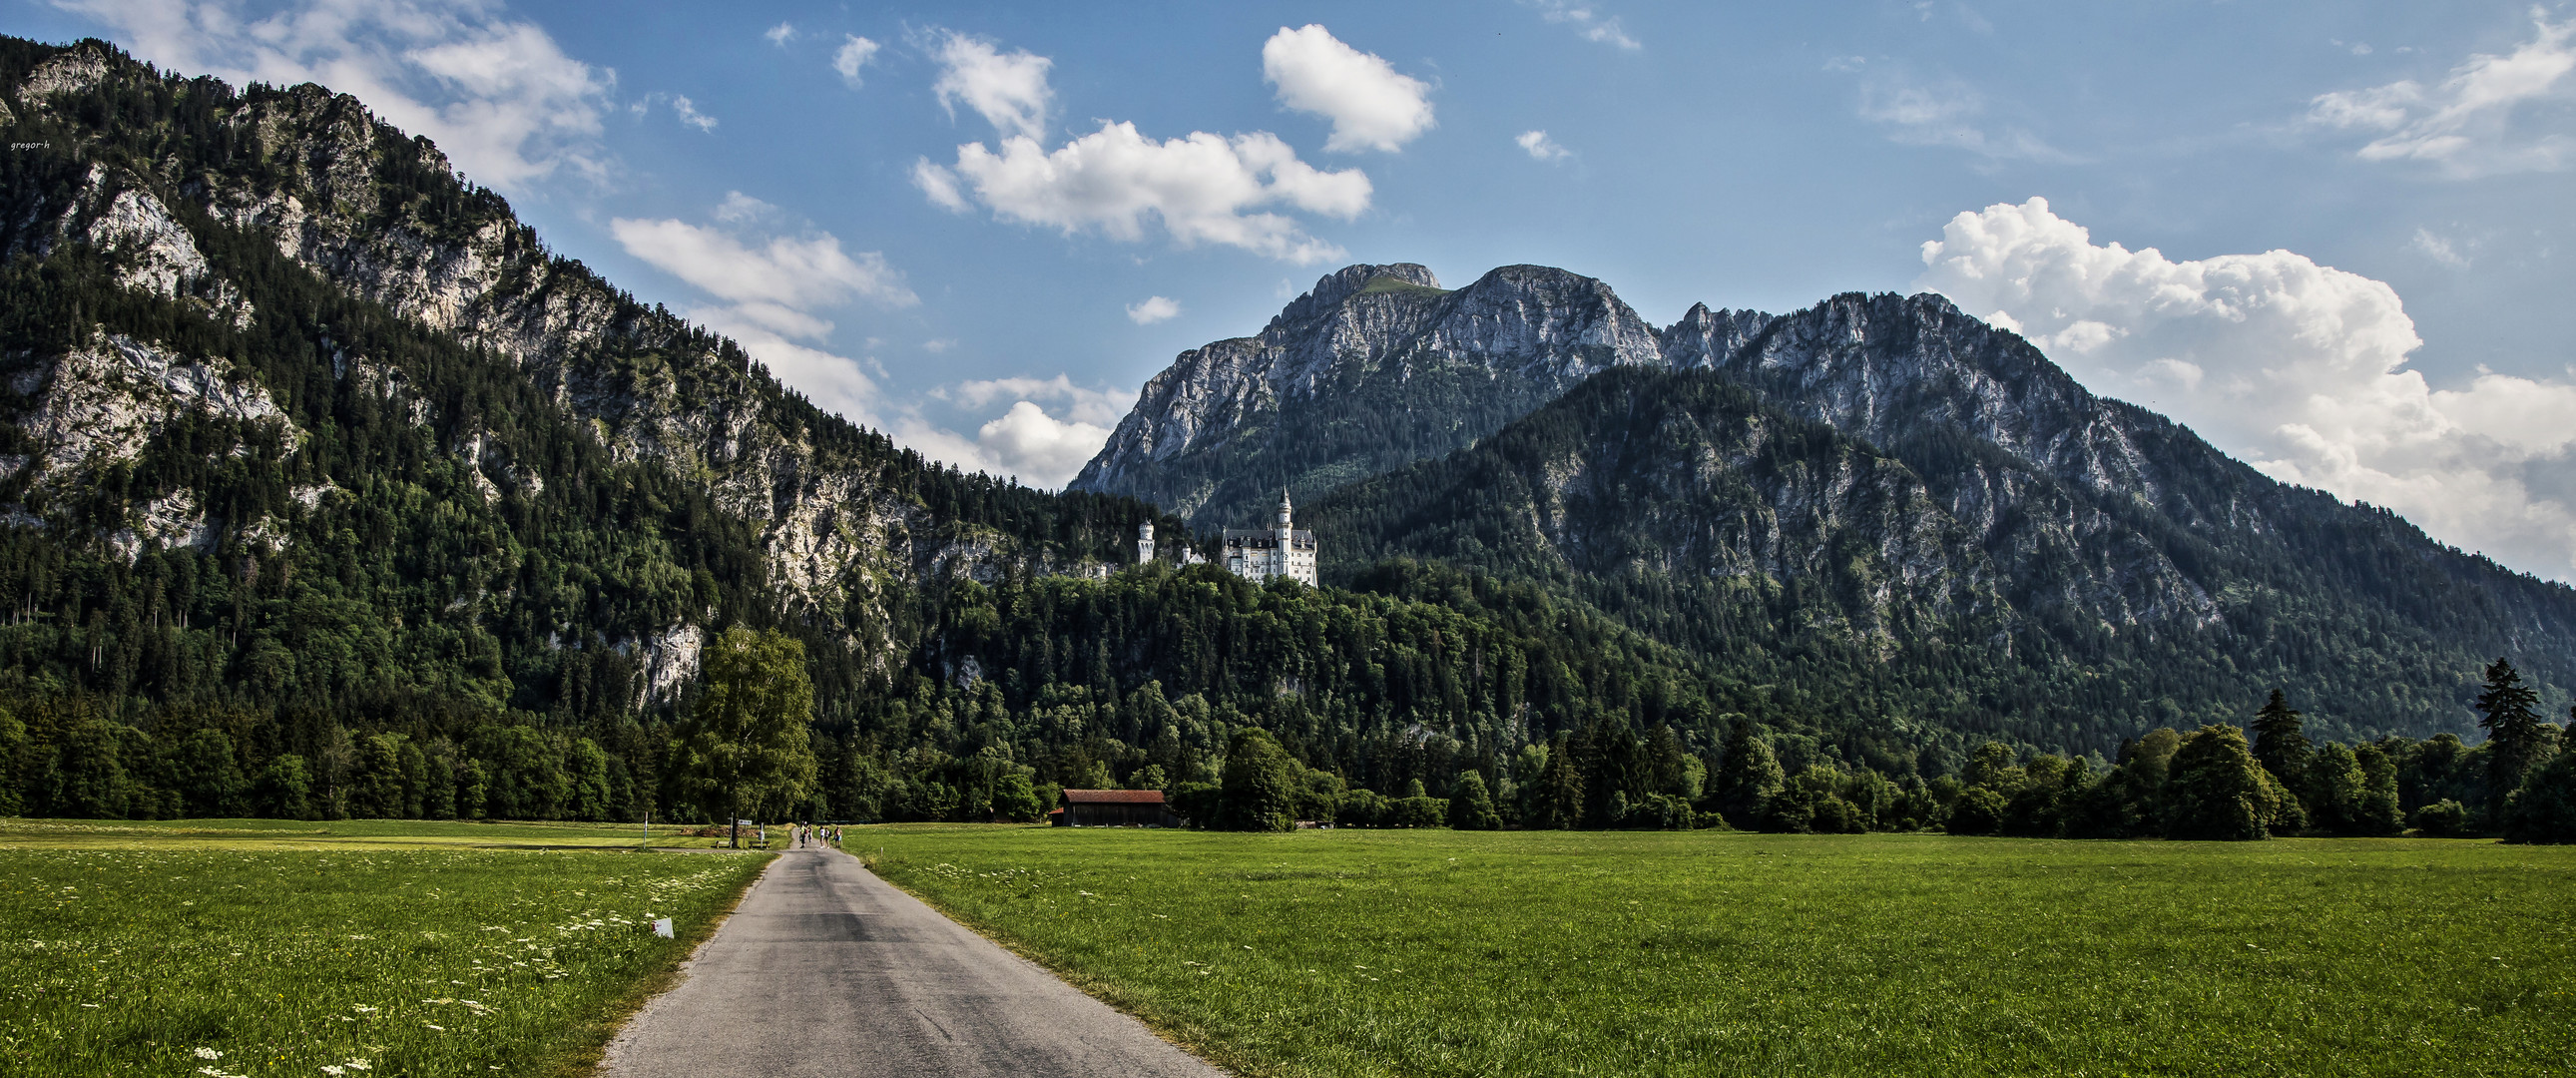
(334, 1072)
(209, 1053)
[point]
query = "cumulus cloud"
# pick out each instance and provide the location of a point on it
(1008, 89)
(1104, 407)
(1540, 147)
(781, 34)
(2474, 122)
(2297, 368)
(497, 95)
(1153, 309)
(1372, 107)
(1587, 23)
(1202, 188)
(854, 53)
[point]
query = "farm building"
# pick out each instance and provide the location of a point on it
(1115, 808)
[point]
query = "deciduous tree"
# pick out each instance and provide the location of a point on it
(749, 737)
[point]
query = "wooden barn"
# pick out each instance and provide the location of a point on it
(1115, 808)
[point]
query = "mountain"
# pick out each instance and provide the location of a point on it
(1376, 367)
(1892, 509)
(272, 367)
(326, 489)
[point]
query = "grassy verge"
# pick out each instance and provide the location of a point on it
(241, 959)
(1449, 953)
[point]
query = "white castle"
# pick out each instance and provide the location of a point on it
(1258, 553)
(1261, 553)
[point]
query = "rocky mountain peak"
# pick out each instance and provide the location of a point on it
(1341, 284)
(1375, 367)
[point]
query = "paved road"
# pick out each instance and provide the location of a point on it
(876, 984)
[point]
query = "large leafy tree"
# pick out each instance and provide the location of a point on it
(1748, 779)
(1471, 807)
(2218, 791)
(2516, 737)
(1259, 793)
(749, 737)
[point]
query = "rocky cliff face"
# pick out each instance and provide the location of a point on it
(1375, 367)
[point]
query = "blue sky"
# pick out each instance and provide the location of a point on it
(2361, 212)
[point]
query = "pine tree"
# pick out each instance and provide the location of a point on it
(2515, 734)
(2279, 744)
(1556, 804)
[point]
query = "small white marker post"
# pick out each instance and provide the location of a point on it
(662, 928)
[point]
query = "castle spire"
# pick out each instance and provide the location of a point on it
(1284, 509)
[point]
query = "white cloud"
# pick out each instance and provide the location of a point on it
(853, 54)
(2467, 125)
(787, 273)
(1586, 22)
(1153, 309)
(2439, 249)
(1040, 449)
(738, 208)
(781, 34)
(1371, 106)
(2297, 368)
(1104, 407)
(1946, 114)
(682, 109)
(1540, 147)
(1203, 188)
(1009, 90)
(498, 96)
(1027, 440)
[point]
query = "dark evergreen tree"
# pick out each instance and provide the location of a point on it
(2515, 735)
(2279, 743)
(1557, 799)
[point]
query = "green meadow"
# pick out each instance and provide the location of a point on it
(1437, 952)
(364, 949)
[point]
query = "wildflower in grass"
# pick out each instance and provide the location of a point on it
(209, 1053)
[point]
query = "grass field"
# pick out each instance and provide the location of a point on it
(1454, 953)
(364, 949)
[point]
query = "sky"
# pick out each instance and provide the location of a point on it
(2324, 235)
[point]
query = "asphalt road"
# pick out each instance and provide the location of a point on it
(827, 970)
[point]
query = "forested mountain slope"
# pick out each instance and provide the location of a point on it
(1790, 556)
(259, 335)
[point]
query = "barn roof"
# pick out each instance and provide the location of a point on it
(1113, 797)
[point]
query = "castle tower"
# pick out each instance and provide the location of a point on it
(1287, 534)
(1144, 542)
